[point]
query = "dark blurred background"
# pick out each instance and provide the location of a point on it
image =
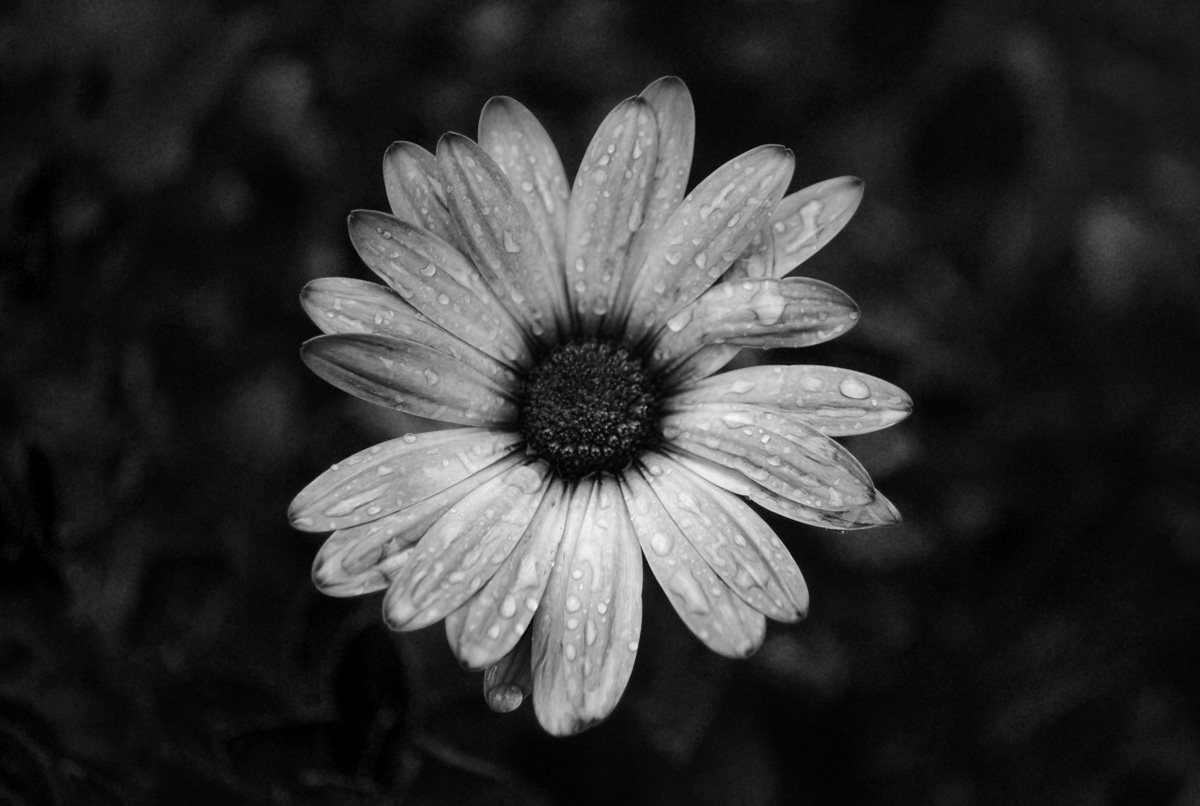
(1026, 259)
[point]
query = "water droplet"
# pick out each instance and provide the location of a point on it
(569, 651)
(443, 299)
(590, 632)
(854, 388)
(409, 438)
(685, 586)
(661, 543)
(741, 387)
(429, 270)
(572, 603)
(510, 243)
(493, 632)
(431, 377)
(508, 607)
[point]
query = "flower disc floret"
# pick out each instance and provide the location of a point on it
(589, 406)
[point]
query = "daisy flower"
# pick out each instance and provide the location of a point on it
(571, 333)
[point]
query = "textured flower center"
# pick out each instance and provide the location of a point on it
(589, 406)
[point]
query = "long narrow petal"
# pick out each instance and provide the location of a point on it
(762, 313)
(462, 551)
(487, 627)
(758, 259)
(346, 305)
(395, 474)
(340, 305)
(435, 278)
(787, 457)
(586, 632)
(879, 512)
(676, 117)
(736, 543)
(410, 377)
(836, 402)
(524, 151)
(414, 189)
(706, 233)
(497, 233)
(509, 681)
(364, 558)
(723, 621)
(608, 205)
(808, 219)
(706, 360)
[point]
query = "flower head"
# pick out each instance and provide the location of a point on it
(572, 333)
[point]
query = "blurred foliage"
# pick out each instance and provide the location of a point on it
(1026, 260)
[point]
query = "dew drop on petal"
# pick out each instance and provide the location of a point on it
(854, 388)
(572, 603)
(409, 438)
(685, 586)
(569, 651)
(661, 543)
(510, 243)
(508, 607)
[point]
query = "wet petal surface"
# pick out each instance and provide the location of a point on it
(585, 635)
(395, 474)
(524, 151)
(608, 205)
(364, 558)
(433, 277)
(410, 377)
(462, 551)
(836, 402)
(762, 313)
(509, 682)
(707, 232)
(735, 542)
(787, 457)
(497, 234)
(414, 189)
(719, 618)
(487, 627)
(808, 219)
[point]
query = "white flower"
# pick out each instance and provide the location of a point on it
(574, 333)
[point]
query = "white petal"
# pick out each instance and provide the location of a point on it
(736, 543)
(608, 205)
(433, 277)
(585, 634)
(808, 219)
(364, 558)
(836, 402)
(487, 627)
(706, 233)
(722, 620)
(464, 548)
(497, 234)
(785, 456)
(414, 189)
(410, 377)
(395, 474)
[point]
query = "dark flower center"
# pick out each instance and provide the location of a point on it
(589, 406)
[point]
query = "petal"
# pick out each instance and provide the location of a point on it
(509, 681)
(836, 402)
(464, 548)
(414, 189)
(497, 234)
(785, 456)
(435, 278)
(608, 203)
(396, 474)
(524, 151)
(706, 360)
(364, 558)
(410, 377)
(880, 512)
(340, 305)
(723, 621)
(487, 627)
(809, 218)
(763, 313)
(585, 633)
(758, 260)
(346, 305)
(706, 233)
(676, 116)
(735, 542)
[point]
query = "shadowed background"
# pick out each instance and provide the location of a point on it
(171, 174)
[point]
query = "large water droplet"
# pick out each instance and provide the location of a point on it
(572, 603)
(508, 607)
(661, 543)
(510, 243)
(854, 388)
(685, 586)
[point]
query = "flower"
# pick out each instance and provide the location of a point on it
(574, 332)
